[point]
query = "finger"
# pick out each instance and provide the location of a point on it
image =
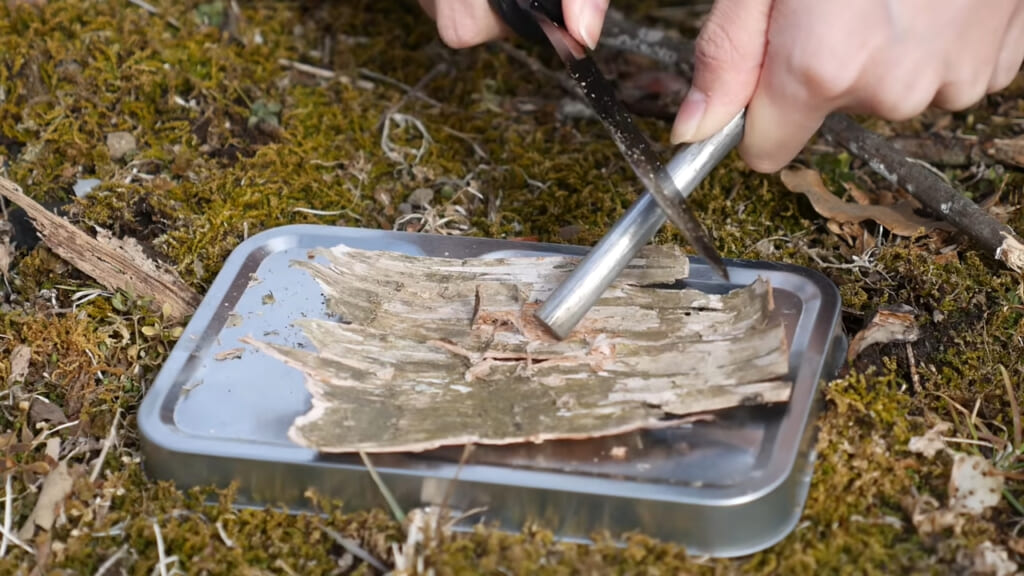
(808, 72)
(729, 52)
(585, 19)
(467, 23)
(778, 125)
(970, 70)
(1012, 54)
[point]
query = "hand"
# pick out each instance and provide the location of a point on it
(466, 23)
(792, 62)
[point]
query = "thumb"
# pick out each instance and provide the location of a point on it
(729, 52)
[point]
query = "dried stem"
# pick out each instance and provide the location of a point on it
(107, 443)
(396, 510)
(8, 500)
(416, 90)
(1018, 433)
(353, 548)
(109, 562)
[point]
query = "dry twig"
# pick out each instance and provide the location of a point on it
(930, 189)
(109, 562)
(353, 548)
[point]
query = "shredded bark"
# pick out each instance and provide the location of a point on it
(429, 352)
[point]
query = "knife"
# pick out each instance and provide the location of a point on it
(542, 20)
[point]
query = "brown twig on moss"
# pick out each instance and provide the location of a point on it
(927, 187)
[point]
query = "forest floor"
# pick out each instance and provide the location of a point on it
(189, 126)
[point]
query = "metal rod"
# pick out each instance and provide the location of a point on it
(578, 293)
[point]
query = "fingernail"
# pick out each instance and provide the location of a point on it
(590, 20)
(688, 119)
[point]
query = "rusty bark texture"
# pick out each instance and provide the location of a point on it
(428, 352)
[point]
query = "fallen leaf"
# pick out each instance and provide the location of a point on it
(859, 195)
(20, 359)
(232, 354)
(931, 442)
(974, 485)
(56, 488)
(890, 324)
(43, 411)
(991, 559)
(899, 218)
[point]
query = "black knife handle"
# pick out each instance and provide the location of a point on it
(522, 22)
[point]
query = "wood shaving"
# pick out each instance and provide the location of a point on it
(232, 354)
(891, 324)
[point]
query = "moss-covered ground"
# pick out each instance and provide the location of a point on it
(230, 141)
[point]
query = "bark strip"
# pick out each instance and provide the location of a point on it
(115, 263)
(431, 352)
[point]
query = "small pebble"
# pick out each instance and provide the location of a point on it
(421, 197)
(120, 144)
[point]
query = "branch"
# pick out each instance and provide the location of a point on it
(928, 187)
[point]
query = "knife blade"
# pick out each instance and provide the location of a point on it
(600, 94)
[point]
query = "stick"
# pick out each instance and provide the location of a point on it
(396, 510)
(398, 84)
(6, 530)
(928, 188)
(310, 69)
(114, 263)
(353, 548)
(416, 90)
(536, 67)
(1018, 433)
(622, 34)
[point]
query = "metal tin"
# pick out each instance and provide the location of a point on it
(724, 488)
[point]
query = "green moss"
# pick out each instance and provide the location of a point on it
(204, 175)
